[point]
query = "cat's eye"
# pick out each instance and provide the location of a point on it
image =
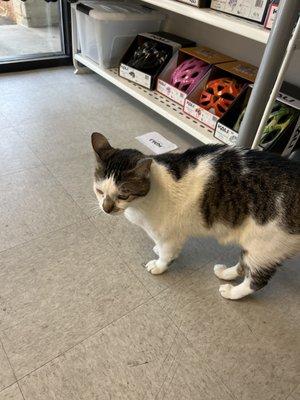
(99, 191)
(123, 197)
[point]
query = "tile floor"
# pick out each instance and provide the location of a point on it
(80, 318)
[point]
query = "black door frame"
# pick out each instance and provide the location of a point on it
(51, 59)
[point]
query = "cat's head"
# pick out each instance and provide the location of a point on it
(121, 176)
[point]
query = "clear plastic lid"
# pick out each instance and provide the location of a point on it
(120, 10)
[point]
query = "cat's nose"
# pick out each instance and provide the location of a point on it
(108, 205)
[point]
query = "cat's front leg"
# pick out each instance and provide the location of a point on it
(167, 252)
(156, 249)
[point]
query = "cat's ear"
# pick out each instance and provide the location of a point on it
(100, 145)
(142, 167)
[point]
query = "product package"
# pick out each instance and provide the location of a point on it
(218, 91)
(148, 55)
(185, 71)
(254, 10)
(271, 15)
(282, 130)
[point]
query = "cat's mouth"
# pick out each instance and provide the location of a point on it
(114, 212)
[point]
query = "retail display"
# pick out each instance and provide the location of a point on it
(148, 55)
(186, 70)
(271, 15)
(282, 129)
(218, 91)
(188, 74)
(219, 94)
(254, 10)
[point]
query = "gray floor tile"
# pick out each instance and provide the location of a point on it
(76, 176)
(6, 373)
(11, 393)
(126, 121)
(135, 247)
(35, 105)
(189, 378)
(296, 394)
(274, 317)
(20, 83)
(58, 290)
(61, 139)
(32, 203)
(4, 123)
(251, 366)
(134, 358)
(15, 154)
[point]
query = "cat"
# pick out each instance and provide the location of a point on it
(247, 197)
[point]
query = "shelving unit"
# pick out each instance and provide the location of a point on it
(229, 23)
(154, 100)
(272, 61)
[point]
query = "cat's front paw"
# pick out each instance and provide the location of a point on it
(156, 250)
(155, 267)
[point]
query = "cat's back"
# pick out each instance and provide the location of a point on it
(239, 183)
(252, 183)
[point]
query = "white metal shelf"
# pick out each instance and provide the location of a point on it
(227, 22)
(154, 100)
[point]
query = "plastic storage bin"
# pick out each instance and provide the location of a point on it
(106, 29)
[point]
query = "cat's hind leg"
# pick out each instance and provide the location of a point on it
(228, 273)
(257, 276)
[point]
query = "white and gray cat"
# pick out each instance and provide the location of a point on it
(245, 197)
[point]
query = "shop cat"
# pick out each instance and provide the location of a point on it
(246, 197)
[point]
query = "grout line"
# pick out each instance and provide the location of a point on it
(21, 391)
(12, 369)
(194, 351)
(190, 343)
(172, 363)
(123, 261)
(291, 393)
(55, 179)
(18, 171)
(20, 245)
(83, 340)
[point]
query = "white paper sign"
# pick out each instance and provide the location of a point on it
(156, 142)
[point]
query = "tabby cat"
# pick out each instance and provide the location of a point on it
(246, 197)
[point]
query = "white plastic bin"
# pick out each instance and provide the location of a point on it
(106, 29)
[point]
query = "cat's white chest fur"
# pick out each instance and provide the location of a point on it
(171, 209)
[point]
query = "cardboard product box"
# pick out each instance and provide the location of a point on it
(166, 42)
(205, 54)
(227, 127)
(242, 72)
(271, 15)
(253, 10)
(196, 3)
